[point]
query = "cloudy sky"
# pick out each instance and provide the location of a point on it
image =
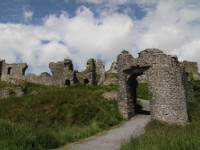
(43, 31)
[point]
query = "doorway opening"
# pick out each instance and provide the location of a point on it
(10, 70)
(67, 83)
(137, 92)
(86, 81)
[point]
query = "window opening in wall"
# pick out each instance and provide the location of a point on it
(67, 82)
(10, 71)
(138, 91)
(86, 81)
(23, 71)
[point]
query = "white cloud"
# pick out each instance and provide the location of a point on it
(189, 51)
(172, 26)
(78, 38)
(91, 1)
(27, 15)
(141, 3)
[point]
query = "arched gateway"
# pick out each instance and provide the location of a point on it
(166, 84)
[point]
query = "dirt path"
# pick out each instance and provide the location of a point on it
(113, 139)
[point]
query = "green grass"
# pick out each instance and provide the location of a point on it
(110, 87)
(142, 91)
(21, 137)
(163, 136)
(111, 75)
(55, 116)
(4, 84)
(190, 75)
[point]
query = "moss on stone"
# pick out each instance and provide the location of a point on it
(79, 76)
(111, 75)
(190, 75)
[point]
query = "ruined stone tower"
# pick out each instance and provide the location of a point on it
(166, 85)
(100, 71)
(12, 70)
(89, 74)
(192, 67)
(62, 73)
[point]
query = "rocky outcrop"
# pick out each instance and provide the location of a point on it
(7, 92)
(111, 95)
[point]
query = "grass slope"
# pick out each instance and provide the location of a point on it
(162, 136)
(55, 116)
(142, 91)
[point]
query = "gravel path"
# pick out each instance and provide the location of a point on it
(113, 139)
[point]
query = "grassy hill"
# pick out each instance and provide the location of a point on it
(163, 136)
(47, 117)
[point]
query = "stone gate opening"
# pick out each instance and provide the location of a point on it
(132, 89)
(133, 83)
(166, 85)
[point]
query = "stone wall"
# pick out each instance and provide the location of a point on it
(89, 74)
(100, 71)
(166, 84)
(111, 76)
(0, 68)
(62, 73)
(192, 67)
(13, 70)
(189, 90)
(113, 68)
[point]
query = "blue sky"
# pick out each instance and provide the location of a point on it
(13, 10)
(43, 31)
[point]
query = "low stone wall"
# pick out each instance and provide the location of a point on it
(7, 92)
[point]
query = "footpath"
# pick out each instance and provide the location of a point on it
(114, 138)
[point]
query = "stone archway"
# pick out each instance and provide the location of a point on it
(166, 84)
(132, 84)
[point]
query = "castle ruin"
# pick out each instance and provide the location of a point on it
(168, 86)
(166, 80)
